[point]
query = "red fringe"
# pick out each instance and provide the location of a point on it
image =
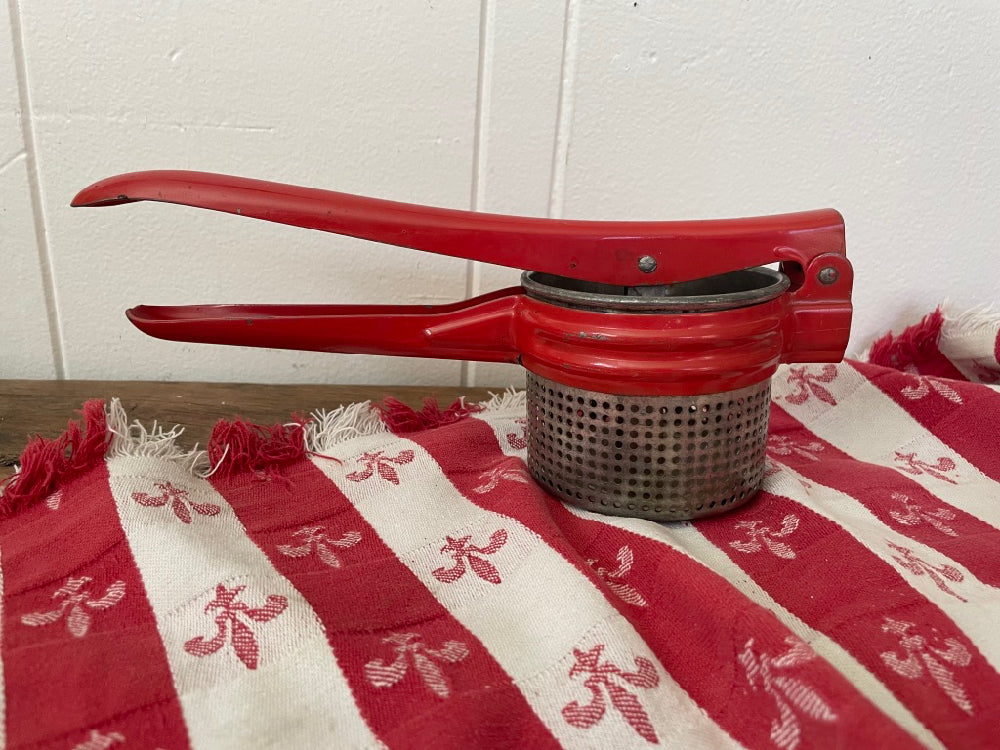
(245, 446)
(915, 345)
(401, 419)
(48, 463)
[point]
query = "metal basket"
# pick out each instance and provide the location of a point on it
(664, 458)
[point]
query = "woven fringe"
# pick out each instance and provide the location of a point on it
(245, 446)
(234, 446)
(402, 419)
(510, 400)
(133, 439)
(46, 463)
(915, 344)
(327, 429)
(973, 321)
(105, 432)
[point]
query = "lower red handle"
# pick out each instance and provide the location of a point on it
(478, 329)
(625, 353)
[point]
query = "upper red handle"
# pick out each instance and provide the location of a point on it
(630, 253)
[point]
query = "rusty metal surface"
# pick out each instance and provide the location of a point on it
(664, 458)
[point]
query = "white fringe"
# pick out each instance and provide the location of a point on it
(329, 428)
(136, 440)
(510, 399)
(970, 322)
(11, 480)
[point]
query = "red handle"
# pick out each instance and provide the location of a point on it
(627, 353)
(478, 329)
(622, 253)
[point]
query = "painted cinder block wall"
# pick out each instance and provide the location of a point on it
(609, 109)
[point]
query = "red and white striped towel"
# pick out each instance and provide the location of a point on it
(391, 578)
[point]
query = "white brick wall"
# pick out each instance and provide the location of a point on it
(611, 109)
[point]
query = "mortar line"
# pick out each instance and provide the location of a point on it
(564, 113)
(34, 187)
(473, 270)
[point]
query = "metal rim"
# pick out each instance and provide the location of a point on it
(749, 286)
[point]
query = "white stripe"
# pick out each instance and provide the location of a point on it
(504, 422)
(869, 426)
(977, 616)
(532, 621)
(687, 540)
(297, 696)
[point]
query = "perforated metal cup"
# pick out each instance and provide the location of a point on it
(664, 458)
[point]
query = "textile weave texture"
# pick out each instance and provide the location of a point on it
(384, 577)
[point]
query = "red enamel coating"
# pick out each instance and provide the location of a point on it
(614, 352)
(604, 251)
(641, 354)
(478, 329)
(625, 353)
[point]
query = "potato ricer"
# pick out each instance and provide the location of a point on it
(649, 346)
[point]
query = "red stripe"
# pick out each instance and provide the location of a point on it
(960, 426)
(113, 678)
(939, 366)
(369, 597)
(681, 622)
(896, 500)
(840, 588)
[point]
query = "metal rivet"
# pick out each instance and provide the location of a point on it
(828, 275)
(647, 264)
